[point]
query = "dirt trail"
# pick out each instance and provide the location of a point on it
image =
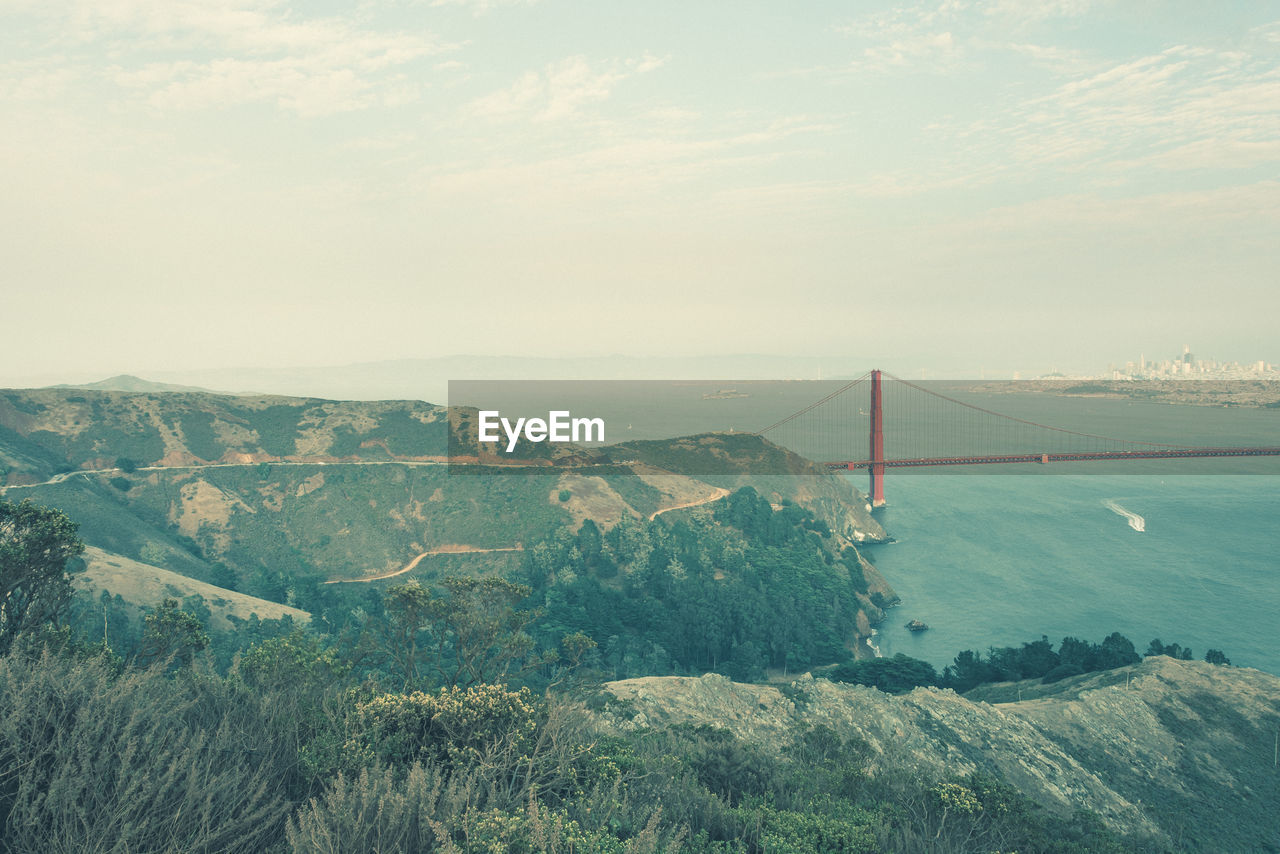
(450, 549)
(720, 492)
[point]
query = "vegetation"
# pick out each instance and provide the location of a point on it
(171, 633)
(446, 742)
(1216, 656)
(134, 425)
(102, 757)
(1032, 660)
(1172, 650)
(1039, 660)
(472, 634)
(735, 590)
(895, 675)
(35, 544)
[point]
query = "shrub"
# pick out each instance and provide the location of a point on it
(518, 744)
(895, 675)
(1216, 656)
(379, 813)
(1062, 671)
(375, 813)
(456, 727)
(93, 761)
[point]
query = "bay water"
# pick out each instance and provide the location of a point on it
(998, 560)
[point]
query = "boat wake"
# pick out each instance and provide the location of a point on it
(1135, 521)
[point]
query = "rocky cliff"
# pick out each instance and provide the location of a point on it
(1181, 752)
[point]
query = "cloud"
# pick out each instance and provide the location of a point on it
(1184, 108)
(240, 51)
(35, 81)
(627, 166)
(931, 36)
(907, 50)
(1036, 11)
(1253, 207)
(940, 34)
(1268, 32)
(561, 89)
(482, 7)
(1054, 58)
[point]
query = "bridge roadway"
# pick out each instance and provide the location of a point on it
(1182, 453)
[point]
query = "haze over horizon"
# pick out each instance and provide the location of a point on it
(956, 187)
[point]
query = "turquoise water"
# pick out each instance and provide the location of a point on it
(998, 560)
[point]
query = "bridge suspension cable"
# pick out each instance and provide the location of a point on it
(1014, 418)
(917, 426)
(837, 393)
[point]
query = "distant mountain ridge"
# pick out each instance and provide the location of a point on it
(427, 379)
(130, 383)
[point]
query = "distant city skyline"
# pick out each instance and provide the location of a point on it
(948, 186)
(1191, 364)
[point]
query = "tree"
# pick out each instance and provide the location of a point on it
(1216, 656)
(1172, 650)
(408, 606)
(474, 631)
(170, 631)
(895, 675)
(1117, 651)
(35, 544)
(1076, 653)
(293, 676)
(968, 671)
(479, 622)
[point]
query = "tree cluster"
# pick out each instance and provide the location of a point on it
(737, 592)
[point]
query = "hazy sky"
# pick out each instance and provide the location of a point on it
(1008, 184)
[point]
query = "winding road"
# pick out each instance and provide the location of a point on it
(438, 550)
(720, 492)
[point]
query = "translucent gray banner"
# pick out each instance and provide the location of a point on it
(725, 427)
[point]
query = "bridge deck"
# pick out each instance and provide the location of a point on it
(1183, 453)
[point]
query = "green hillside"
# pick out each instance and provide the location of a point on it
(310, 503)
(47, 431)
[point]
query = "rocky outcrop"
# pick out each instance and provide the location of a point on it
(1180, 751)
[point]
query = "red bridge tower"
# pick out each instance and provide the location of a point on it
(877, 443)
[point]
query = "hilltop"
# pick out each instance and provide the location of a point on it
(130, 383)
(428, 378)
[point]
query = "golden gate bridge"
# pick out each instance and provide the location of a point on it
(827, 431)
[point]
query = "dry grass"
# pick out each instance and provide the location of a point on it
(142, 583)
